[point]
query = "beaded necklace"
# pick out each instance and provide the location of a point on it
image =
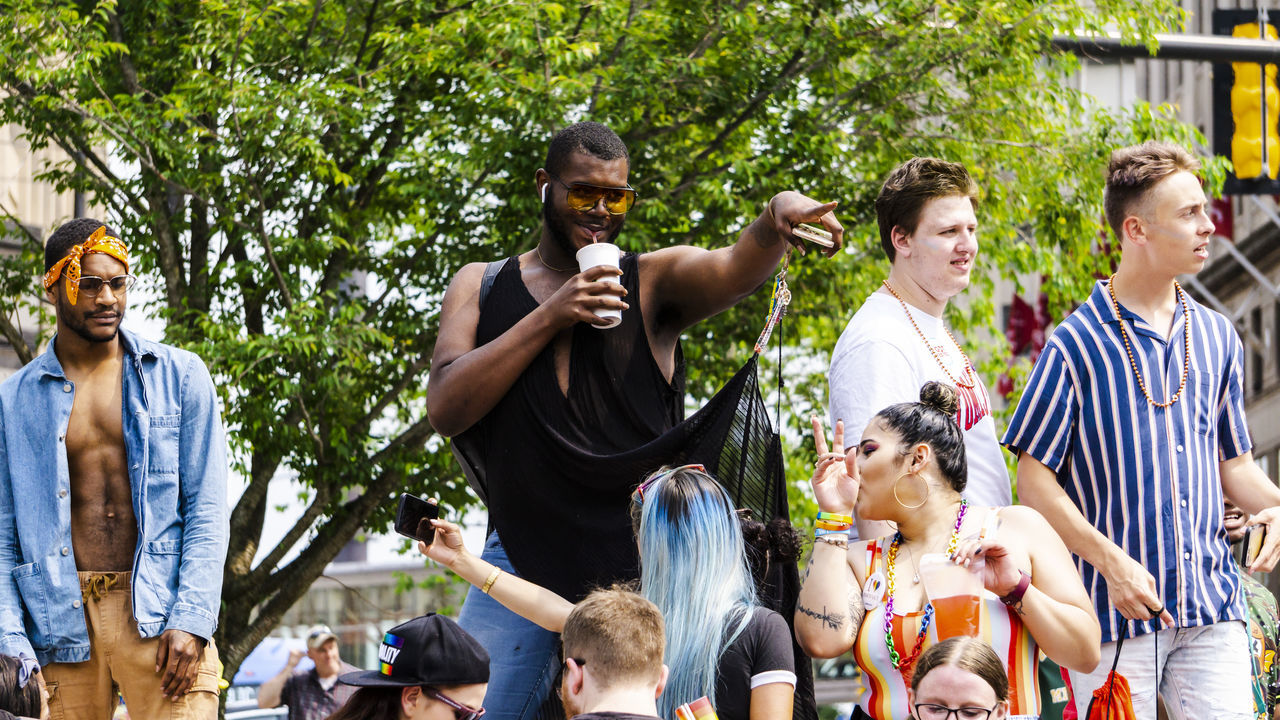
(904, 666)
(968, 366)
(1186, 339)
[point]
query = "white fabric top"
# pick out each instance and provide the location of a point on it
(880, 360)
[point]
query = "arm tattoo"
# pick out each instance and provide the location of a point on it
(835, 622)
(856, 610)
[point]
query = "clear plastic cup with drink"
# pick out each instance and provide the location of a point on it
(955, 592)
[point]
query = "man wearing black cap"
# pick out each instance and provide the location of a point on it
(429, 669)
(311, 694)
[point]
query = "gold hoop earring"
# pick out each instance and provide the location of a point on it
(924, 493)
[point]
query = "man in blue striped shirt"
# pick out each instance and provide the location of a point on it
(1129, 432)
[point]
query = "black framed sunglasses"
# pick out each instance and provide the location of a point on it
(929, 711)
(460, 711)
(91, 285)
(560, 675)
(585, 196)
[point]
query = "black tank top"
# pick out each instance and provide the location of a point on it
(559, 468)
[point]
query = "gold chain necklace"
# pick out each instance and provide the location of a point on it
(547, 265)
(968, 366)
(1186, 341)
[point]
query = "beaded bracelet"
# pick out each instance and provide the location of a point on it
(840, 542)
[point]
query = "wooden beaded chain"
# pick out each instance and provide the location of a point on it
(968, 366)
(905, 665)
(1186, 340)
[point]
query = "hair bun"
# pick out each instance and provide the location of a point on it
(941, 397)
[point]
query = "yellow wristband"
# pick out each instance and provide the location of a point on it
(829, 525)
(488, 583)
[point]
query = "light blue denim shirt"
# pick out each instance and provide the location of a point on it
(177, 457)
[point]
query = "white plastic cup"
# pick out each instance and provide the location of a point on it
(956, 594)
(602, 254)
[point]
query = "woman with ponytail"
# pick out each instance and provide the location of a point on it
(720, 643)
(909, 470)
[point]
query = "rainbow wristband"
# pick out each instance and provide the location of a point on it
(836, 517)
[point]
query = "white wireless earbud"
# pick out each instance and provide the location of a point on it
(544, 192)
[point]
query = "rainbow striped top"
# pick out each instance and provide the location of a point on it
(882, 691)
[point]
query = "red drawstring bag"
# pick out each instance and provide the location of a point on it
(1112, 701)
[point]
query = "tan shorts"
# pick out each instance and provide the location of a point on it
(121, 662)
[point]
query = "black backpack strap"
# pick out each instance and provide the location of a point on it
(490, 274)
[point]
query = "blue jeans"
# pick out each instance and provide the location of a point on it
(1202, 672)
(524, 659)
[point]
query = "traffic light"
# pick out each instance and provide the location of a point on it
(1255, 108)
(1238, 109)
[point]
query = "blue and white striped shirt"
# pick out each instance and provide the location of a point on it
(1145, 477)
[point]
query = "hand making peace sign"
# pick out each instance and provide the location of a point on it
(835, 475)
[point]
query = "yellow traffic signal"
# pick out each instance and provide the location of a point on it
(1254, 118)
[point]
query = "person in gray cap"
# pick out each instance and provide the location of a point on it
(429, 669)
(311, 694)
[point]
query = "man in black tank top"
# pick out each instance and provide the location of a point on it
(552, 412)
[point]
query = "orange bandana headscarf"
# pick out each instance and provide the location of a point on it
(98, 242)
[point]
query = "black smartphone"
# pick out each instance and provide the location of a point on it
(413, 518)
(1251, 544)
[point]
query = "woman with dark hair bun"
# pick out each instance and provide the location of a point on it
(909, 470)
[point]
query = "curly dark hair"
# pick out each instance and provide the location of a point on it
(768, 545)
(21, 701)
(591, 138)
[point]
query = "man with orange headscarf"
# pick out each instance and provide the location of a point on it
(113, 517)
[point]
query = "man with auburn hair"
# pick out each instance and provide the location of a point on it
(113, 512)
(544, 402)
(1130, 431)
(896, 342)
(613, 645)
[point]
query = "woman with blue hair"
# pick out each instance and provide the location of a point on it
(720, 643)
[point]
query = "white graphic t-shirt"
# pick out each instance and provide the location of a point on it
(881, 360)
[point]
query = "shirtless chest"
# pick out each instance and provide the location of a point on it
(104, 529)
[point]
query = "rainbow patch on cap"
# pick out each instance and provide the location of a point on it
(388, 652)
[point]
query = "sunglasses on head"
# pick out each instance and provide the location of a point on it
(460, 711)
(638, 495)
(91, 285)
(583, 197)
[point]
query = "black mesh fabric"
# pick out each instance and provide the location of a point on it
(557, 469)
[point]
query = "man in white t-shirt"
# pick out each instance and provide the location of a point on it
(896, 342)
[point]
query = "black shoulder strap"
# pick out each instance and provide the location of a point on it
(486, 282)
